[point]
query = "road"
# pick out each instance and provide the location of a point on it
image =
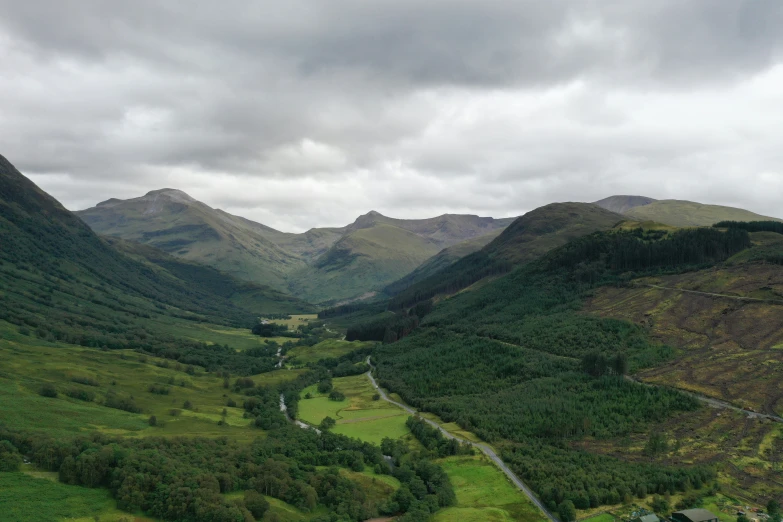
(489, 452)
(709, 294)
(715, 403)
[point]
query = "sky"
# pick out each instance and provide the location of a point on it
(299, 114)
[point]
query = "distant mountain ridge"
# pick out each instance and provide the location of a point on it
(322, 264)
(677, 213)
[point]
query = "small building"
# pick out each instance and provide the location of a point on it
(647, 518)
(694, 515)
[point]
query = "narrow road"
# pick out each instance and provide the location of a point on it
(709, 294)
(715, 403)
(489, 452)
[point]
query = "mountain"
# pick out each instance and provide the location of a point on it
(690, 214)
(322, 264)
(174, 222)
(443, 259)
(259, 299)
(61, 282)
(675, 212)
(622, 204)
(528, 237)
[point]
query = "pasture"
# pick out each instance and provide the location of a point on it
(357, 416)
(484, 494)
(124, 375)
(24, 498)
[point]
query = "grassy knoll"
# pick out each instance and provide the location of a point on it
(358, 415)
(603, 517)
(483, 494)
(324, 350)
(124, 374)
(24, 498)
(281, 511)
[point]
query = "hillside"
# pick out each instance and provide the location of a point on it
(522, 362)
(527, 238)
(322, 264)
(258, 299)
(622, 204)
(440, 261)
(363, 260)
(60, 282)
(690, 214)
(174, 222)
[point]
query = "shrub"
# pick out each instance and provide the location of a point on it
(175, 412)
(121, 403)
(83, 379)
(187, 405)
(48, 390)
(231, 403)
(159, 390)
(153, 420)
(336, 396)
(82, 395)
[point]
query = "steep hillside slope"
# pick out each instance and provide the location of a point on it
(728, 321)
(363, 260)
(258, 299)
(443, 259)
(174, 222)
(622, 204)
(60, 282)
(690, 214)
(527, 238)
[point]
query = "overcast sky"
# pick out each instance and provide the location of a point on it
(308, 113)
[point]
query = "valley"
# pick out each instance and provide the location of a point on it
(576, 360)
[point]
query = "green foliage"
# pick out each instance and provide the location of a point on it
(48, 390)
(10, 459)
(566, 511)
(656, 444)
(753, 226)
(433, 440)
(660, 505)
(80, 394)
(256, 504)
(327, 424)
(335, 395)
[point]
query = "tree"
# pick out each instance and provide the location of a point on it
(566, 511)
(327, 424)
(336, 396)
(660, 505)
(773, 508)
(256, 504)
(153, 420)
(325, 386)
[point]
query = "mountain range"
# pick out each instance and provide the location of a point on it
(322, 264)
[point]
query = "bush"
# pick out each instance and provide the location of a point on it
(231, 403)
(153, 420)
(159, 390)
(256, 504)
(336, 396)
(48, 390)
(175, 412)
(376, 397)
(83, 379)
(187, 405)
(327, 424)
(82, 395)
(121, 403)
(10, 460)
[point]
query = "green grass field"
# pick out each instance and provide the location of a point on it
(603, 517)
(26, 366)
(484, 494)
(358, 415)
(296, 320)
(324, 350)
(25, 499)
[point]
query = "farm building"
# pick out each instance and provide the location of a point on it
(694, 515)
(647, 518)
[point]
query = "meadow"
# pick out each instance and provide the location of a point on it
(324, 350)
(484, 494)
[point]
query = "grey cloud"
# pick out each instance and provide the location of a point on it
(491, 106)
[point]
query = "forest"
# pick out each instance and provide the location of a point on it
(517, 363)
(753, 226)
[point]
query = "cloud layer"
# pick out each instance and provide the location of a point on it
(310, 114)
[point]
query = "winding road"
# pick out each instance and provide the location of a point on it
(489, 452)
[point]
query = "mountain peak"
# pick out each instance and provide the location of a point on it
(622, 203)
(173, 194)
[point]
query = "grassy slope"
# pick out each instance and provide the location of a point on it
(257, 298)
(361, 261)
(687, 213)
(27, 363)
(172, 221)
(441, 260)
(24, 498)
(527, 238)
(622, 204)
